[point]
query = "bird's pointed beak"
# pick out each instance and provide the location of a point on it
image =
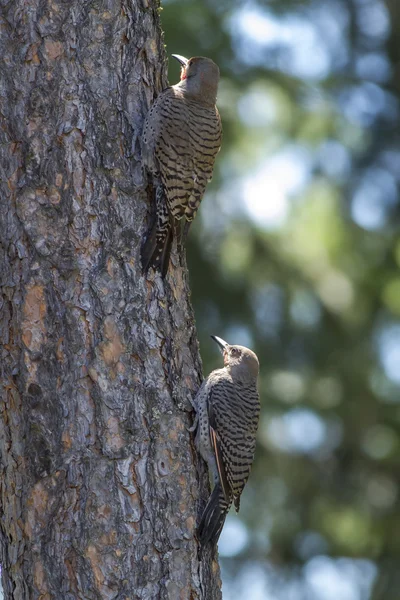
(181, 59)
(223, 345)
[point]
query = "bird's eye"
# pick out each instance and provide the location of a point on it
(235, 352)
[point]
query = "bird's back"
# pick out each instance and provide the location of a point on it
(235, 411)
(181, 139)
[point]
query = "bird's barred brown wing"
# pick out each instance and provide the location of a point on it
(219, 456)
(206, 140)
(185, 150)
(151, 131)
(234, 412)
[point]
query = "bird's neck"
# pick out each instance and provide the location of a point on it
(242, 378)
(198, 91)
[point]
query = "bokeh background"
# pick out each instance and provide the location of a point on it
(296, 253)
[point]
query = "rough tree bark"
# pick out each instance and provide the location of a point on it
(99, 477)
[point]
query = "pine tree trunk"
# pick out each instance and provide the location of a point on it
(99, 477)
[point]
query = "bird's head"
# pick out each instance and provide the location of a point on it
(199, 77)
(241, 362)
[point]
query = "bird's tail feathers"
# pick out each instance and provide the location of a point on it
(156, 250)
(213, 518)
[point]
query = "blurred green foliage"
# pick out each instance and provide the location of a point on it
(296, 253)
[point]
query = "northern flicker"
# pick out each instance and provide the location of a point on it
(181, 138)
(227, 411)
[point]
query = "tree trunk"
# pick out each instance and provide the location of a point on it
(99, 478)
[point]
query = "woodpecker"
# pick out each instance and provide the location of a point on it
(181, 138)
(227, 409)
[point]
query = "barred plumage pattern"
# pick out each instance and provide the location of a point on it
(181, 138)
(228, 409)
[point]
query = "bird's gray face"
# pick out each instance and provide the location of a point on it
(200, 75)
(241, 361)
(203, 68)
